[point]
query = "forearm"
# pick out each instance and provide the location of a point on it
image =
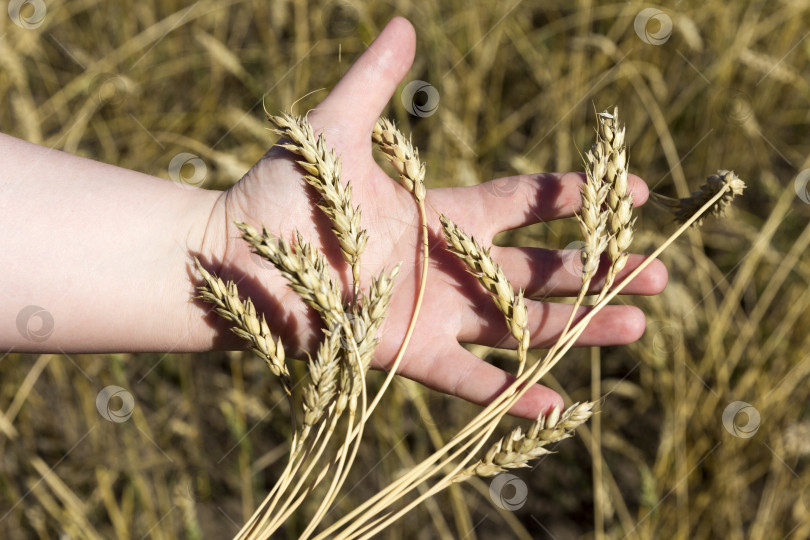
(104, 251)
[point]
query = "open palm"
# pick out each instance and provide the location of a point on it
(455, 309)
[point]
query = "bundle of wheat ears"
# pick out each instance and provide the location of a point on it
(335, 403)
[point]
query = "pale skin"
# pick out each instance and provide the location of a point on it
(107, 251)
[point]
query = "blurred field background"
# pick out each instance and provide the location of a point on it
(136, 83)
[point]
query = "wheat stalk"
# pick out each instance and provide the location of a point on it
(405, 158)
(308, 275)
(608, 160)
(338, 373)
(365, 317)
(247, 326)
(356, 522)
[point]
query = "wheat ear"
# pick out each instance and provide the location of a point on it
(306, 271)
(518, 448)
(606, 218)
(480, 264)
(402, 154)
(247, 324)
(610, 148)
(324, 372)
(323, 170)
(684, 208)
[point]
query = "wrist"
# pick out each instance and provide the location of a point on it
(207, 241)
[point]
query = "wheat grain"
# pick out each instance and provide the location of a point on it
(593, 218)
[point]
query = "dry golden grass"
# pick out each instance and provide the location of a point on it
(134, 85)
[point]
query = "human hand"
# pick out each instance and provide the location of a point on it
(455, 309)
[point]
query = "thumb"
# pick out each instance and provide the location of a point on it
(361, 95)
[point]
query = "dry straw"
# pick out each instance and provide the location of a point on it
(337, 372)
(362, 523)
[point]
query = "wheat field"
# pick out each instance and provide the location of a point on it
(705, 429)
